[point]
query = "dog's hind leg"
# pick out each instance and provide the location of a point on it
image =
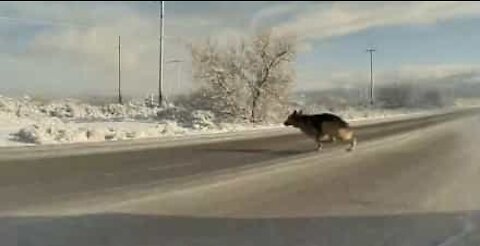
(318, 140)
(347, 135)
(333, 139)
(353, 144)
(319, 146)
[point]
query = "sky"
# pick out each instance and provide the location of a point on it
(71, 48)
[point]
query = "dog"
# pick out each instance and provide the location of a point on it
(322, 127)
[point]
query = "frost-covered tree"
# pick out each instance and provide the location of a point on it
(249, 79)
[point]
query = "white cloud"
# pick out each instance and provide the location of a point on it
(344, 18)
(86, 56)
(78, 49)
(411, 73)
(274, 12)
(438, 71)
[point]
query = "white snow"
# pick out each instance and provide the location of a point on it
(25, 121)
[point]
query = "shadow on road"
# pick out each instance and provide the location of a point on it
(141, 230)
(261, 151)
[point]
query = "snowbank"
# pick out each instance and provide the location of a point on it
(109, 131)
(74, 110)
(68, 121)
(93, 132)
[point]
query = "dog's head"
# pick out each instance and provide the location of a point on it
(293, 118)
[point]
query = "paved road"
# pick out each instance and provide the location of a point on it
(26, 183)
(408, 183)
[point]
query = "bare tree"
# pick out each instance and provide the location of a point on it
(212, 68)
(249, 79)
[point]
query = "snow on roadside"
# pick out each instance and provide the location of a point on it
(111, 131)
(92, 132)
(24, 121)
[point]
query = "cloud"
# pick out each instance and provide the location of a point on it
(438, 71)
(343, 18)
(75, 48)
(84, 53)
(422, 74)
(274, 12)
(95, 50)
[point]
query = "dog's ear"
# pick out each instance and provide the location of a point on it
(294, 112)
(300, 112)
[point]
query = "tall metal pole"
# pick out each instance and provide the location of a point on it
(119, 73)
(161, 57)
(372, 100)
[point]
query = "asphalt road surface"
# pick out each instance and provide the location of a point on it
(412, 182)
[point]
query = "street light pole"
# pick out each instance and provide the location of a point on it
(119, 73)
(161, 56)
(372, 100)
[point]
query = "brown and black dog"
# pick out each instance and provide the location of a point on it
(322, 127)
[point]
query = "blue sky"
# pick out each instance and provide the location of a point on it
(69, 48)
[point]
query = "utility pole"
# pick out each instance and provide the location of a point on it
(161, 56)
(119, 73)
(372, 100)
